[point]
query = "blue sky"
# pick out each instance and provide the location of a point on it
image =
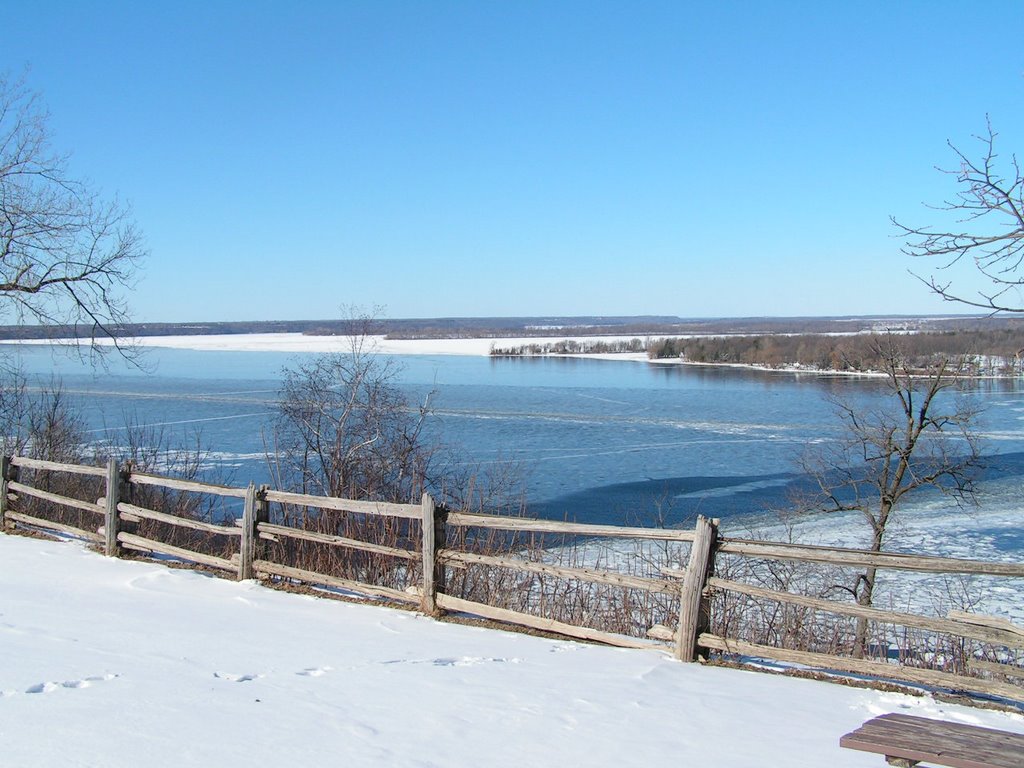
(525, 158)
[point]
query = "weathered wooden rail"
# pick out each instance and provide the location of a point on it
(429, 551)
(984, 629)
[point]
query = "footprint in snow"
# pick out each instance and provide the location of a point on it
(564, 647)
(464, 661)
(50, 687)
(231, 677)
(314, 671)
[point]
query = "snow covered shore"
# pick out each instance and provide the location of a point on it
(298, 342)
(114, 663)
(477, 347)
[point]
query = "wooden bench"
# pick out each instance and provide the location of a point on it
(905, 741)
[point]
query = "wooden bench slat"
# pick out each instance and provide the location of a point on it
(937, 741)
(953, 744)
(969, 737)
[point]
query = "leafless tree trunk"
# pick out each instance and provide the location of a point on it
(923, 439)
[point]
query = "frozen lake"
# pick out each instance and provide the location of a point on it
(598, 440)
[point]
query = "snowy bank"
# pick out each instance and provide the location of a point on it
(298, 342)
(474, 347)
(115, 663)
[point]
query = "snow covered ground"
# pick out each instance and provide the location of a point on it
(297, 342)
(118, 663)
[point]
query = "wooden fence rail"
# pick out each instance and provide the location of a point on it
(858, 557)
(428, 546)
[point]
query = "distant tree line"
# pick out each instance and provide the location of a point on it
(572, 347)
(520, 327)
(989, 352)
(482, 328)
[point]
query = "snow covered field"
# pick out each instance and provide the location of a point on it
(297, 342)
(119, 663)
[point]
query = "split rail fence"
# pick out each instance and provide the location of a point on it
(431, 553)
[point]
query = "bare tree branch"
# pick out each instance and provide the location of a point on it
(990, 204)
(66, 255)
(344, 428)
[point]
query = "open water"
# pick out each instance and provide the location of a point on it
(598, 440)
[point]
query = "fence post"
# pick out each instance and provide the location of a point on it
(5, 471)
(262, 507)
(433, 532)
(692, 605)
(441, 540)
(111, 520)
(262, 516)
(8, 472)
(249, 533)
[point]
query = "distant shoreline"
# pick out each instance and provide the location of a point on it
(299, 342)
(469, 347)
(532, 328)
(992, 347)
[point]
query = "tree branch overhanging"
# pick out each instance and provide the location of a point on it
(67, 257)
(989, 204)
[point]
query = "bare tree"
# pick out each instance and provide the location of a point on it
(921, 438)
(66, 254)
(345, 429)
(41, 424)
(987, 229)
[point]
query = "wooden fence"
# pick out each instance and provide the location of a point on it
(428, 543)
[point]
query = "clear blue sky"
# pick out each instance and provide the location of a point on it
(522, 158)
